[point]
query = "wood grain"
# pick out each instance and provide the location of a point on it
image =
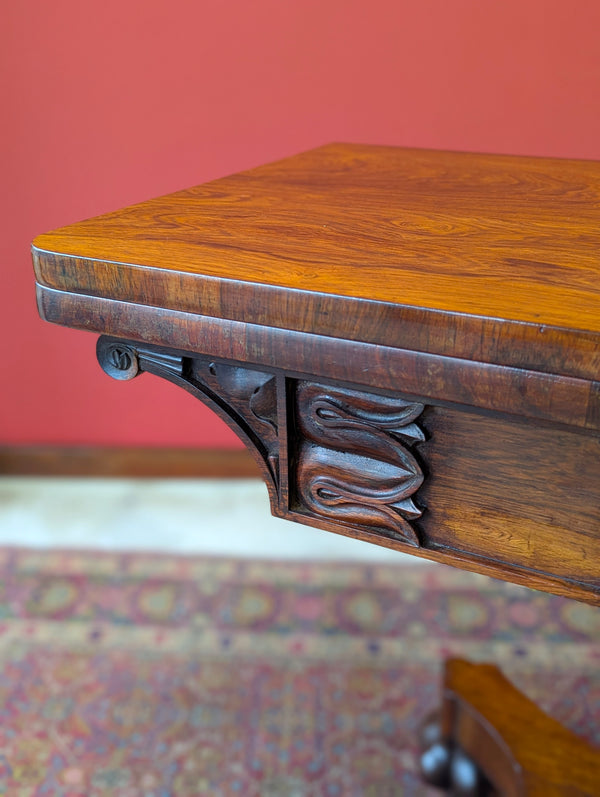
(508, 490)
(412, 233)
(533, 394)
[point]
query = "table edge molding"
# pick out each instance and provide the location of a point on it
(535, 395)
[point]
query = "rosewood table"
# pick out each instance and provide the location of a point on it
(408, 341)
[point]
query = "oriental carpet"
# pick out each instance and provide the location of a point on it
(137, 675)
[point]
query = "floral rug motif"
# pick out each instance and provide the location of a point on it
(137, 675)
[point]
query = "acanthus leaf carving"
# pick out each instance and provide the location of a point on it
(353, 464)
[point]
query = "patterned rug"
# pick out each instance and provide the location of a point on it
(157, 676)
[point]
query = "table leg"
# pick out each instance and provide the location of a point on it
(489, 739)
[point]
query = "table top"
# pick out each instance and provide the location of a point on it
(377, 324)
(380, 244)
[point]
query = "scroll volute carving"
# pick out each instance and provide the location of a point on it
(245, 398)
(354, 465)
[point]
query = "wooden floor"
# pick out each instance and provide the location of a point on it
(122, 461)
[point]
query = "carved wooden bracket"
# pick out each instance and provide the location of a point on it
(334, 454)
(244, 398)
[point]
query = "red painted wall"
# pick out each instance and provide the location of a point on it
(109, 103)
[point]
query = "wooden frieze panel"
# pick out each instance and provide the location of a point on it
(495, 492)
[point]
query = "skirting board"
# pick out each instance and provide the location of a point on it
(127, 462)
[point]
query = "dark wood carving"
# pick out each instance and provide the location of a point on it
(353, 462)
(246, 399)
(250, 399)
(123, 360)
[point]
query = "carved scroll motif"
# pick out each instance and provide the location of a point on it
(354, 464)
(123, 360)
(246, 399)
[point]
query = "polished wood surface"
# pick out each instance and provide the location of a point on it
(311, 300)
(529, 392)
(517, 748)
(420, 249)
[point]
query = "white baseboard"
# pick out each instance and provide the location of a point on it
(218, 517)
